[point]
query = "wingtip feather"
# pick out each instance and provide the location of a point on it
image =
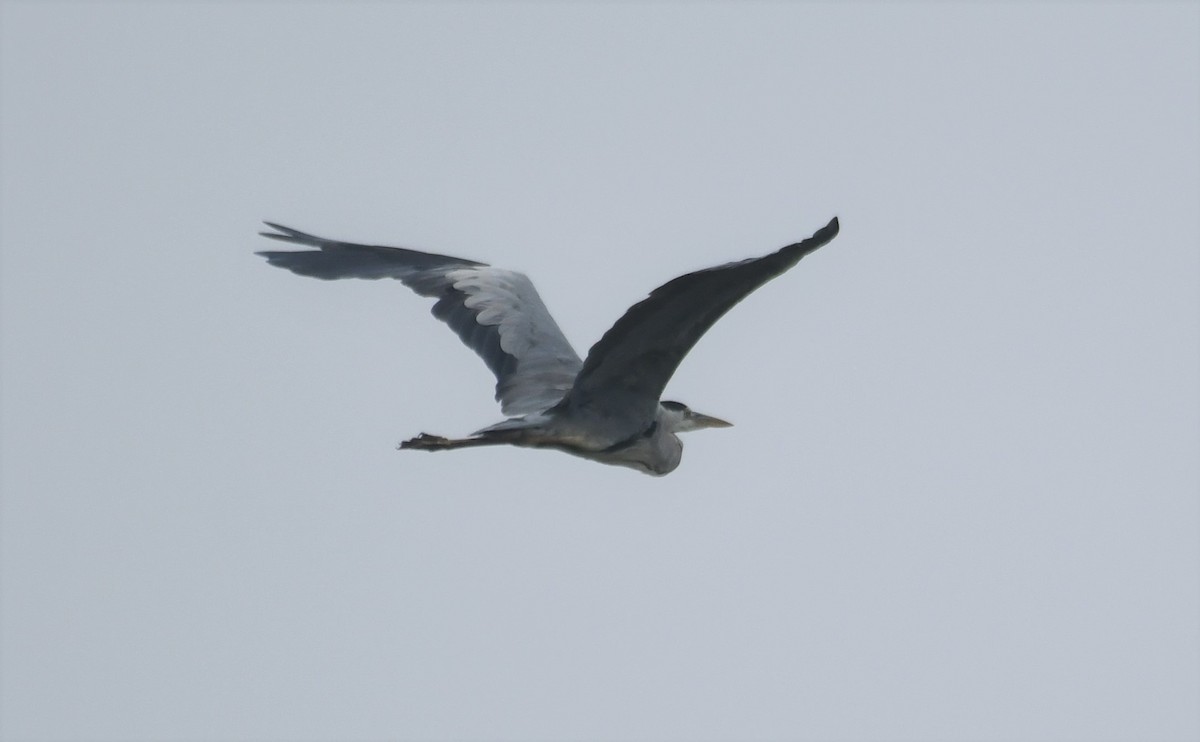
(822, 236)
(281, 232)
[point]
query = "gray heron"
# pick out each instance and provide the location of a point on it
(606, 407)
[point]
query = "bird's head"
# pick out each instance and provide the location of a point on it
(679, 418)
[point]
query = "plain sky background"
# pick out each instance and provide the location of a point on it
(961, 498)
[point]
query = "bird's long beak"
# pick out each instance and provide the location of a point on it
(700, 420)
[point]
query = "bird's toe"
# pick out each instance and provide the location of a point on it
(424, 441)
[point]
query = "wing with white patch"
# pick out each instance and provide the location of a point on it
(497, 313)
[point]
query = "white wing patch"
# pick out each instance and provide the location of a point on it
(546, 364)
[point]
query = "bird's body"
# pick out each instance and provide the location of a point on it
(606, 408)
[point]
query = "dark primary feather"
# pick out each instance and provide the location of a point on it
(349, 260)
(631, 364)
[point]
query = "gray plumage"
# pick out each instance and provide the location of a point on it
(606, 408)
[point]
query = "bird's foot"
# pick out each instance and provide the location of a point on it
(425, 442)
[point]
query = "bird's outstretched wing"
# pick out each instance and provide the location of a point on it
(497, 313)
(626, 371)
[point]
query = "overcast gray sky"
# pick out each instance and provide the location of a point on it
(960, 501)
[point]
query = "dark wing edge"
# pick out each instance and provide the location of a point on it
(336, 259)
(631, 364)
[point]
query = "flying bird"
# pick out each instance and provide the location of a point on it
(606, 407)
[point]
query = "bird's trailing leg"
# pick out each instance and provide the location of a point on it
(427, 442)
